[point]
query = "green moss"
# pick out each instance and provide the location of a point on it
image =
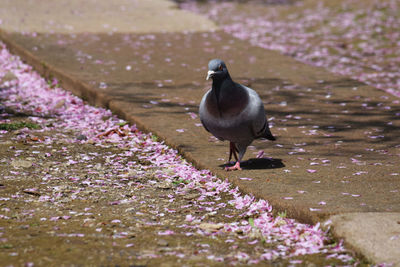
(18, 125)
(6, 246)
(180, 181)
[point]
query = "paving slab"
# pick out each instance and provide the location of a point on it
(338, 147)
(374, 234)
(76, 16)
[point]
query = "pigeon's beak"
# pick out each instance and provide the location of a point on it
(210, 73)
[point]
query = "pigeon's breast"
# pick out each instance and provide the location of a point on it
(235, 129)
(227, 118)
(229, 103)
(230, 130)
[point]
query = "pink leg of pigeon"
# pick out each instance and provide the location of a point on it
(234, 167)
(233, 151)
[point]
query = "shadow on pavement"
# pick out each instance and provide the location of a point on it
(259, 164)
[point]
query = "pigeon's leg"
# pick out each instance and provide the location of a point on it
(241, 148)
(232, 151)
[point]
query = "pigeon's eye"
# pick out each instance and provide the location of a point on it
(220, 67)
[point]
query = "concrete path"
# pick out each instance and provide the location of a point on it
(338, 144)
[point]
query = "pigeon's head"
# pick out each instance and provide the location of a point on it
(216, 69)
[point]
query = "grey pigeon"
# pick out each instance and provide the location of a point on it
(231, 111)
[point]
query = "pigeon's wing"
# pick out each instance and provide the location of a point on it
(256, 116)
(202, 112)
(204, 125)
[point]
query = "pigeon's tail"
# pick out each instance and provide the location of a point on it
(266, 133)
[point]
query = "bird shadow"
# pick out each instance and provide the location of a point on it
(258, 164)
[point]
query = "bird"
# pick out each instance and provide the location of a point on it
(233, 112)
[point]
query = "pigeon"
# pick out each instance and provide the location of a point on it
(233, 112)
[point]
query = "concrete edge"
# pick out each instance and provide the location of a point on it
(367, 235)
(330, 227)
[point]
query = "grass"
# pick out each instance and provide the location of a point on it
(282, 214)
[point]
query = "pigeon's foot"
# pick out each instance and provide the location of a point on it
(234, 167)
